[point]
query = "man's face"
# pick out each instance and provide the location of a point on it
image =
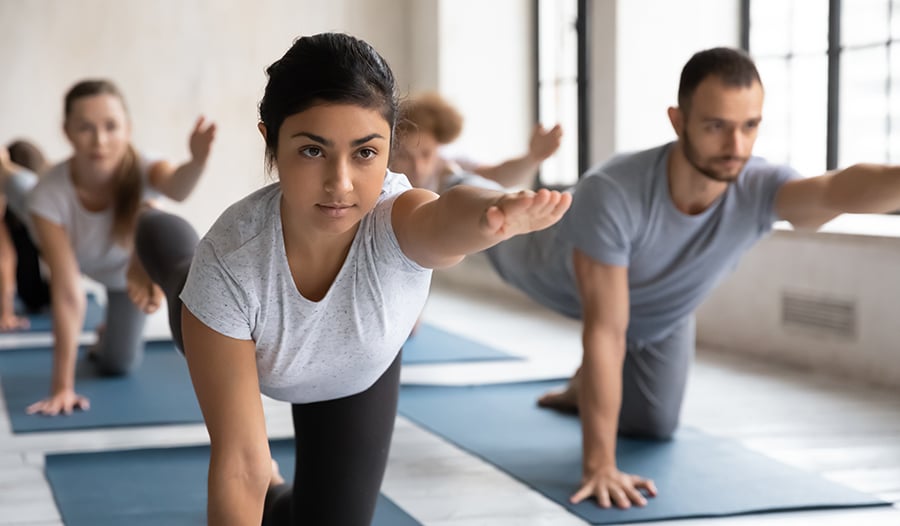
(717, 132)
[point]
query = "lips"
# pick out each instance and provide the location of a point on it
(334, 209)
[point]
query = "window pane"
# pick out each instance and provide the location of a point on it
(779, 27)
(794, 127)
(895, 20)
(558, 85)
(808, 129)
(894, 139)
(559, 103)
(864, 22)
(770, 27)
(863, 106)
(557, 39)
(809, 26)
(772, 141)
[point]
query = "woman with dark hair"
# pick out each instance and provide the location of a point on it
(19, 268)
(81, 215)
(306, 289)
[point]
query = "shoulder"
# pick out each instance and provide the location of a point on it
(394, 184)
(632, 163)
(245, 220)
(760, 174)
(55, 181)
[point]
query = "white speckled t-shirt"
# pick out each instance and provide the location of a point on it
(240, 285)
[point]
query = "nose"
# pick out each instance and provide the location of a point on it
(339, 180)
(100, 137)
(737, 141)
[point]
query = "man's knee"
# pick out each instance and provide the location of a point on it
(118, 364)
(652, 424)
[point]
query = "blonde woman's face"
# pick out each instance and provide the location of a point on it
(99, 130)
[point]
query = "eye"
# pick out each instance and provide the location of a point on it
(112, 126)
(367, 154)
(311, 151)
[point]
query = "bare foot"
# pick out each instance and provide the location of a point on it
(564, 401)
(276, 479)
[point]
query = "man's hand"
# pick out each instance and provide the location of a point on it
(613, 487)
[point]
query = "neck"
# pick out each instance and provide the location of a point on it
(691, 191)
(86, 179)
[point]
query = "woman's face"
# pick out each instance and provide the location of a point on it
(331, 161)
(99, 130)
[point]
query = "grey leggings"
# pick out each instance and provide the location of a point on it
(121, 346)
(653, 381)
(165, 245)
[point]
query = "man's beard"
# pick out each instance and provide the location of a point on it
(690, 153)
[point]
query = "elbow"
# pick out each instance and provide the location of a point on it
(248, 470)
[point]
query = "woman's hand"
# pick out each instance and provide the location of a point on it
(64, 402)
(201, 140)
(10, 322)
(525, 211)
(145, 294)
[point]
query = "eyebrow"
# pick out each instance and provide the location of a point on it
(329, 143)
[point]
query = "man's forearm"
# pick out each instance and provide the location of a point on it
(600, 395)
(864, 189)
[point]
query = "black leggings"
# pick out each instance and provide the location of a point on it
(31, 287)
(341, 453)
(341, 445)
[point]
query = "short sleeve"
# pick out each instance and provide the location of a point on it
(385, 246)
(766, 184)
(599, 222)
(214, 296)
(48, 201)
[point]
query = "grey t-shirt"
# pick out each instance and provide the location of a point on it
(240, 285)
(99, 256)
(622, 214)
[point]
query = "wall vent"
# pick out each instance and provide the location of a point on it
(832, 316)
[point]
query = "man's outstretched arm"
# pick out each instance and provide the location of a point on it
(859, 189)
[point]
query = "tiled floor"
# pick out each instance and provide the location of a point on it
(848, 433)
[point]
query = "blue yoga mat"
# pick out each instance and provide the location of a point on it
(697, 475)
(432, 345)
(164, 486)
(43, 321)
(158, 392)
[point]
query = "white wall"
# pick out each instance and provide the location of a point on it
(745, 312)
(173, 60)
